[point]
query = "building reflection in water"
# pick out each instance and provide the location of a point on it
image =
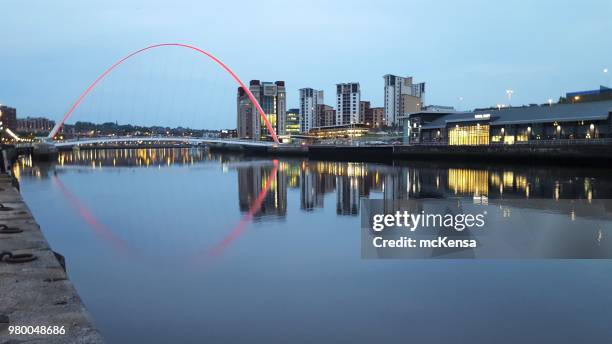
(252, 180)
(350, 181)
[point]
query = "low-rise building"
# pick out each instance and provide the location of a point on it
(372, 117)
(511, 125)
(603, 93)
(378, 117)
(339, 131)
(365, 112)
(35, 125)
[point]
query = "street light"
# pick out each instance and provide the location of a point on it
(550, 101)
(509, 93)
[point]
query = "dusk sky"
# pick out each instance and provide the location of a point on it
(51, 50)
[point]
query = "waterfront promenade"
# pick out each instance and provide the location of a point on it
(38, 292)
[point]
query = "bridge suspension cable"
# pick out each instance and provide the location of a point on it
(233, 75)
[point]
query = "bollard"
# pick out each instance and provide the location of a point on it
(9, 257)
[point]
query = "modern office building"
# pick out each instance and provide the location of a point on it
(513, 125)
(35, 125)
(326, 116)
(348, 96)
(309, 101)
(8, 117)
(272, 98)
(292, 124)
(401, 97)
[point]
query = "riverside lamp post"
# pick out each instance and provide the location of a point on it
(509, 93)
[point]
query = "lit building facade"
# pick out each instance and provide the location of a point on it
(340, 131)
(292, 124)
(34, 125)
(272, 98)
(401, 97)
(603, 93)
(514, 125)
(8, 117)
(348, 96)
(309, 101)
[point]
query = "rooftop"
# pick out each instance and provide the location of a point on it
(599, 110)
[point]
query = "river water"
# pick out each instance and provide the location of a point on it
(187, 246)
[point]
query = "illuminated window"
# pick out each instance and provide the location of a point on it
(522, 138)
(469, 135)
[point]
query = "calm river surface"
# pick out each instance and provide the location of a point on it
(185, 246)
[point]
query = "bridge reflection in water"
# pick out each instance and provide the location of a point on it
(349, 181)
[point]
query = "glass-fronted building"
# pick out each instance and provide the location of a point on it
(588, 120)
(292, 123)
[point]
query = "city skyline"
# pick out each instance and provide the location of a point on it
(474, 57)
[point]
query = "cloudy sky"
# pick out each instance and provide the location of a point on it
(51, 50)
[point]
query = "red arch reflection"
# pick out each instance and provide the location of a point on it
(122, 246)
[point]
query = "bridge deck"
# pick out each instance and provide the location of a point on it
(190, 140)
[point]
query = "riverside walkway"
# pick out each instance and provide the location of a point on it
(38, 292)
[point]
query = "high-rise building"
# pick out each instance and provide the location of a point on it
(292, 124)
(8, 117)
(326, 116)
(247, 124)
(395, 88)
(272, 98)
(309, 100)
(348, 96)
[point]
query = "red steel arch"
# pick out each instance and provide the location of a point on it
(209, 55)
